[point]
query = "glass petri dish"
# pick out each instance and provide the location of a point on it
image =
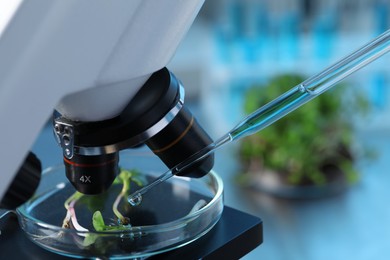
(170, 216)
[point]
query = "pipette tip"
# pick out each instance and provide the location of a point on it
(135, 199)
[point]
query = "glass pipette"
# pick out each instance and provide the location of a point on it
(282, 105)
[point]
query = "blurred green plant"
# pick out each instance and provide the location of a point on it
(310, 141)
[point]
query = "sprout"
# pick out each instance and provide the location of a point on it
(125, 178)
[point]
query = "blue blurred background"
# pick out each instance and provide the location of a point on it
(235, 44)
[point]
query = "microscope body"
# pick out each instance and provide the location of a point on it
(84, 59)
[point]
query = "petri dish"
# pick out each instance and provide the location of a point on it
(170, 216)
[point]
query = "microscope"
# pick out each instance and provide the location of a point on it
(96, 70)
(99, 68)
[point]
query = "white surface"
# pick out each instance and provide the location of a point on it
(7, 11)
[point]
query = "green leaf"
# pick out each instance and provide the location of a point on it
(98, 221)
(94, 202)
(125, 175)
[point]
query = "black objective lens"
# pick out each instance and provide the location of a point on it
(92, 174)
(179, 140)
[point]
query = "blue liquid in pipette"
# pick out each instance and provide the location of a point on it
(271, 112)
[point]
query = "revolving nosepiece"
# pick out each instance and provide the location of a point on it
(155, 116)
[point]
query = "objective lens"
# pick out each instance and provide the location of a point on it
(92, 174)
(179, 140)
